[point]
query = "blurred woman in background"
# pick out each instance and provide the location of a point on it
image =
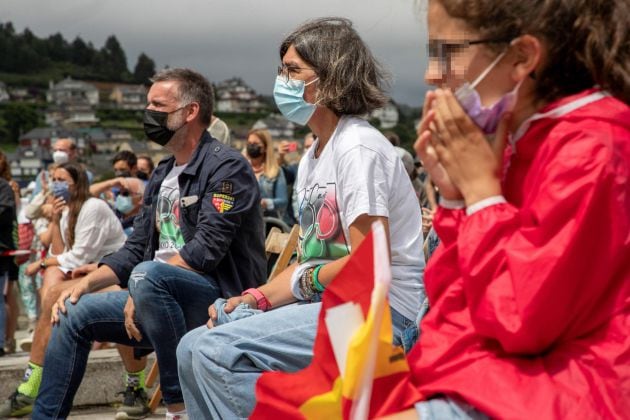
(273, 186)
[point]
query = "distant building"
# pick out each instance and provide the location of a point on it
(34, 150)
(233, 95)
(70, 115)
(278, 126)
(132, 97)
(388, 115)
(70, 91)
(4, 93)
(43, 137)
(21, 94)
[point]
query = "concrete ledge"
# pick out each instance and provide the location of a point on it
(103, 377)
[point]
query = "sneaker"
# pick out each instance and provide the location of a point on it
(135, 404)
(17, 405)
(26, 343)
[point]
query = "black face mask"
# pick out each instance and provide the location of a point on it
(124, 174)
(142, 175)
(254, 150)
(155, 126)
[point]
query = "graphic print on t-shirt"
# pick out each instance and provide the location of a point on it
(167, 219)
(321, 233)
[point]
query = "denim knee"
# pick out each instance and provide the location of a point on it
(76, 316)
(143, 278)
(185, 349)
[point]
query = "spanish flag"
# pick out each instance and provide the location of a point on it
(356, 372)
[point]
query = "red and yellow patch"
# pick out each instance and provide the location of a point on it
(222, 202)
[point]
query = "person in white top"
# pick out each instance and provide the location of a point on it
(350, 178)
(82, 230)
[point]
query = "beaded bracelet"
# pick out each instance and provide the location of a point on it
(316, 284)
(306, 284)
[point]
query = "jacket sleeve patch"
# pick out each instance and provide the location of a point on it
(222, 202)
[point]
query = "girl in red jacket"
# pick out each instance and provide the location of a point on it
(530, 288)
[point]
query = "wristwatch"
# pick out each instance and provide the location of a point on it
(42, 264)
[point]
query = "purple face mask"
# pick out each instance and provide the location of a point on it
(486, 117)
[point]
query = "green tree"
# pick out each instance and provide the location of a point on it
(81, 54)
(145, 69)
(58, 48)
(112, 60)
(19, 118)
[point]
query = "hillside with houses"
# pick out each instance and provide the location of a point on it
(101, 108)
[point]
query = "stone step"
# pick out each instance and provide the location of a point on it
(102, 381)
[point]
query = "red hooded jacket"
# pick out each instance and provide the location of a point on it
(530, 300)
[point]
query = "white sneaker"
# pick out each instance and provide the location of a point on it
(26, 343)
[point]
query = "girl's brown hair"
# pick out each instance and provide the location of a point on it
(587, 41)
(78, 195)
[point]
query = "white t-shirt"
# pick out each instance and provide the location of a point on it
(167, 217)
(359, 172)
(97, 233)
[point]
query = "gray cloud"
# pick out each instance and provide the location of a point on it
(224, 38)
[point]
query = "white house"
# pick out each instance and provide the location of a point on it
(278, 126)
(70, 115)
(234, 95)
(70, 91)
(388, 115)
(132, 97)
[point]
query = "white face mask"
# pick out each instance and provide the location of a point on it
(60, 157)
(486, 117)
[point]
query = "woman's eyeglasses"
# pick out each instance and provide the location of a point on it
(287, 71)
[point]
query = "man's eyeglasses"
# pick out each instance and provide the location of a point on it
(443, 51)
(287, 71)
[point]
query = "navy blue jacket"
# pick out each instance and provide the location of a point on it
(220, 220)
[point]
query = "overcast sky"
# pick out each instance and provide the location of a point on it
(225, 38)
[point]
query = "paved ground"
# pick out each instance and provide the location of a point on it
(96, 398)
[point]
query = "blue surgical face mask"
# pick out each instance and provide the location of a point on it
(289, 96)
(486, 117)
(61, 189)
(124, 204)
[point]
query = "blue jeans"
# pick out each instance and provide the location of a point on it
(219, 367)
(169, 301)
(446, 408)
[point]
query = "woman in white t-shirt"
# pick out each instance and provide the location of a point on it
(82, 229)
(350, 178)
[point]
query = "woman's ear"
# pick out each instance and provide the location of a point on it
(527, 53)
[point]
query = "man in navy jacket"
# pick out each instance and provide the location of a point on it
(199, 236)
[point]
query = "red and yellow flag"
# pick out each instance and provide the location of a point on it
(374, 377)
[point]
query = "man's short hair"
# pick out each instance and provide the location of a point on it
(192, 87)
(127, 156)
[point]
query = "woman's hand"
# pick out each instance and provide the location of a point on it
(473, 165)
(428, 155)
(32, 268)
(58, 205)
(230, 305)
